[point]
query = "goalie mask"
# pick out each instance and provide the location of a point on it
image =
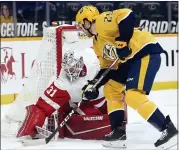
(73, 67)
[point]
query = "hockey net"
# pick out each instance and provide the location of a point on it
(47, 67)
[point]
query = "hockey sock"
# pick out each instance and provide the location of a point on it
(147, 109)
(116, 119)
(158, 120)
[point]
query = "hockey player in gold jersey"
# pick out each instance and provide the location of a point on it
(138, 53)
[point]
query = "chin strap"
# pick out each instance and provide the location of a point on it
(88, 28)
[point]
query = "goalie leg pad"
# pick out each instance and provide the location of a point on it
(89, 109)
(92, 127)
(99, 103)
(35, 117)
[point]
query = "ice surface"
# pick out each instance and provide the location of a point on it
(140, 134)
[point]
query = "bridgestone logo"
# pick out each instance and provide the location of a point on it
(159, 26)
(93, 118)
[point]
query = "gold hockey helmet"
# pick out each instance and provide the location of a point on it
(86, 12)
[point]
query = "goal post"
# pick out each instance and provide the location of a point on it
(46, 68)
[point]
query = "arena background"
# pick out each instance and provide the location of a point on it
(22, 31)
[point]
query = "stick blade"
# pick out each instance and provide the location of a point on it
(30, 142)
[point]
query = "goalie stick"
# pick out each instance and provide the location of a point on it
(48, 139)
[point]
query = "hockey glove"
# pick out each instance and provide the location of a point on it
(89, 92)
(122, 50)
(123, 53)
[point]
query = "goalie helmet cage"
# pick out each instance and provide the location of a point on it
(46, 68)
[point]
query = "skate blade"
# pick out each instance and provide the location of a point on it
(115, 144)
(170, 144)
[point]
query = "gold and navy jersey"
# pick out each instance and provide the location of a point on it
(115, 29)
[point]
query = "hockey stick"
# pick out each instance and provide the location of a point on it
(105, 73)
(48, 139)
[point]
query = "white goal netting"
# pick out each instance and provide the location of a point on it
(46, 68)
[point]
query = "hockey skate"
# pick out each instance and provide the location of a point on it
(115, 139)
(168, 137)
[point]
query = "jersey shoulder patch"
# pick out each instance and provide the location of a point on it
(109, 52)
